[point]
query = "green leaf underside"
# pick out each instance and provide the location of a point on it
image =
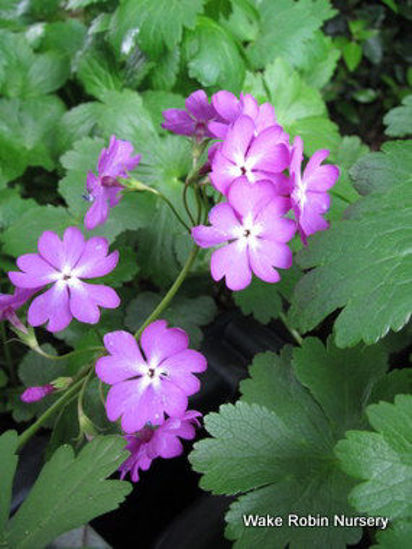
(382, 460)
(399, 120)
(69, 492)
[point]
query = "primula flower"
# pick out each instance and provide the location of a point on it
(104, 189)
(229, 108)
(261, 157)
(152, 442)
(64, 264)
(146, 386)
(33, 394)
(193, 121)
(254, 232)
(10, 303)
(310, 200)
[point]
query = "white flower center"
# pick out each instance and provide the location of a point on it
(247, 234)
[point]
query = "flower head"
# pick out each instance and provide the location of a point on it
(150, 381)
(10, 303)
(229, 108)
(163, 441)
(257, 157)
(193, 121)
(33, 394)
(104, 189)
(63, 264)
(254, 234)
(310, 200)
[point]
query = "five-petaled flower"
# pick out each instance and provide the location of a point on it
(150, 381)
(163, 441)
(310, 200)
(193, 121)
(105, 189)
(63, 264)
(254, 231)
(257, 157)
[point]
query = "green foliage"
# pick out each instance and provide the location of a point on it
(276, 445)
(69, 492)
(382, 460)
(214, 67)
(260, 299)
(397, 536)
(399, 120)
(286, 29)
(8, 444)
(190, 314)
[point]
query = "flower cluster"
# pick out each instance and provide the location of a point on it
(258, 172)
(149, 382)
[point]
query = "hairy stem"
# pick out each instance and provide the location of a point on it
(171, 293)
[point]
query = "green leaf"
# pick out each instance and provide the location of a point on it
(381, 171)
(29, 74)
(363, 266)
(392, 384)
(286, 28)
(329, 371)
(221, 67)
(352, 54)
(126, 269)
(382, 460)
(12, 207)
(397, 536)
(8, 447)
(69, 492)
(78, 4)
(65, 37)
(98, 72)
(276, 445)
(319, 59)
(155, 23)
(164, 74)
(260, 299)
(243, 22)
(399, 120)
(27, 134)
(156, 102)
(190, 314)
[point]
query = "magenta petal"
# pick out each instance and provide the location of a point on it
(231, 262)
(178, 121)
(262, 265)
(98, 213)
(117, 159)
(249, 105)
(223, 218)
(174, 399)
(94, 261)
(315, 161)
(226, 105)
(321, 179)
(123, 396)
(224, 172)
(73, 246)
(122, 344)
(238, 139)
(207, 237)
(85, 300)
(38, 272)
(167, 446)
(113, 370)
(53, 305)
(51, 249)
(297, 155)
(249, 198)
(217, 129)
(92, 183)
(198, 105)
(159, 342)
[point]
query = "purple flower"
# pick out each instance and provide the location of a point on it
(194, 120)
(242, 153)
(33, 394)
(10, 303)
(150, 443)
(64, 264)
(229, 108)
(309, 196)
(254, 232)
(104, 189)
(145, 387)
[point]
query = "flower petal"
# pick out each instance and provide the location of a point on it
(85, 300)
(238, 139)
(231, 262)
(51, 249)
(159, 342)
(249, 198)
(98, 213)
(53, 305)
(198, 105)
(94, 261)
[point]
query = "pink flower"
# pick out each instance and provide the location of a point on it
(104, 189)
(310, 200)
(242, 153)
(150, 443)
(146, 387)
(64, 264)
(10, 303)
(194, 120)
(33, 394)
(229, 108)
(253, 231)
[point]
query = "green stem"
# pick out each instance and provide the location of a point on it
(28, 433)
(40, 351)
(171, 293)
(7, 355)
(169, 203)
(294, 333)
